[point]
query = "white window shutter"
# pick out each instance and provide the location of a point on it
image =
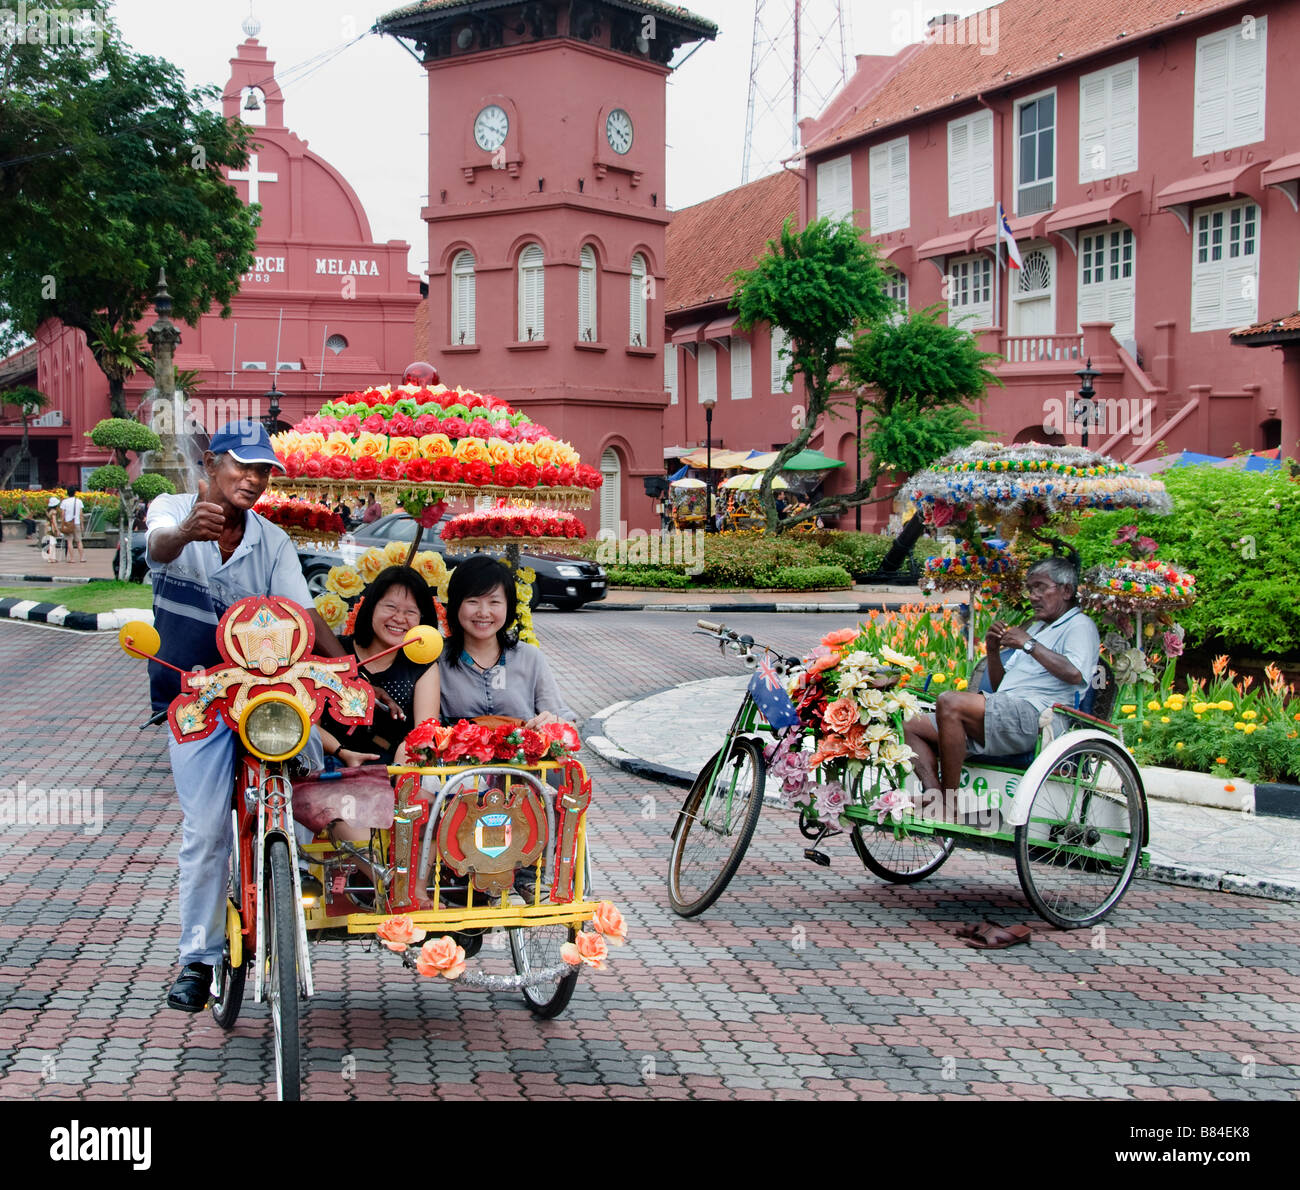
(462, 298)
(958, 167)
(1092, 302)
(587, 330)
(1248, 63)
(1210, 112)
(981, 161)
(888, 177)
(742, 377)
(532, 293)
(636, 319)
(1120, 300)
(780, 361)
(1122, 157)
(900, 195)
(835, 189)
(1241, 292)
(1207, 298)
(670, 370)
(707, 367)
(611, 511)
(878, 172)
(1094, 149)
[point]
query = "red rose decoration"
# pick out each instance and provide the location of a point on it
(350, 425)
(366, 467)
(480, 427)
(445, 470)
(472, 401)
(562, 737)
(293, 464)
(565, 475)
(390, 470)
(314, 467)
(401, 426)
(479, 474)
(419, 470)
(375, 423)
(426, 423)
(338, 468)
(507, 475)
(454, 427)
(518, 526)
(506, 432)
(529, 474)
(534, 745)
(550, 475)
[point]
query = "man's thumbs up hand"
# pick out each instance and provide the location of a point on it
(205, 520)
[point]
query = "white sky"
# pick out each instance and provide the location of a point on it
(364, 111)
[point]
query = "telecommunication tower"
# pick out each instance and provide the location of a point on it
(799, 60)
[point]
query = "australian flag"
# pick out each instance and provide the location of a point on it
(767, 691)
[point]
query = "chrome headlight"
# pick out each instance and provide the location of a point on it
(569, 571)
(274, 726)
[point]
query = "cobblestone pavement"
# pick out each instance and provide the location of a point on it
(801, 983)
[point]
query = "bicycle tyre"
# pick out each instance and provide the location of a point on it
(739, 829)
(539, 947)
(895, 863)
(282, 969)
(231, 980)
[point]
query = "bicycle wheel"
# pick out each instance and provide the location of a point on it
(1077, 853)
(230, 979)
(281, 975)
(714, 827)
(536, 948)
(901, 861)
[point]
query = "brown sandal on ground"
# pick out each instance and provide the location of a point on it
(994, 937)
(972, 930)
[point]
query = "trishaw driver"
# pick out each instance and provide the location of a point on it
(205, 553)
(1053, 660)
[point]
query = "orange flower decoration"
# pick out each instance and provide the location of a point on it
(840, 715)
(589, 948)
(544, 451)
(471, 450)
(397, 933)
(337, 446)
(609, 921)
(500, 451)
(841, 636)
(403, 449)
(524, 453)
(821, 664)
(441, 956)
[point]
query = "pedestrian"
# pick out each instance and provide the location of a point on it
(72, 510)
(53, 531)
(373, 509)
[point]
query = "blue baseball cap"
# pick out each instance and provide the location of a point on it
(246, 441)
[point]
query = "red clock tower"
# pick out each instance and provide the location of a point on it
(546, 216)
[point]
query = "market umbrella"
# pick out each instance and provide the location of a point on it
(805, 460)
(687, 483)
(750, 483)
(721, 460)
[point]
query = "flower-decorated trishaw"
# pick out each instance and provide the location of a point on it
(484, 829)
(1072, 811)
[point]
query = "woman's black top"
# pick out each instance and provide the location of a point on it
(385, 733)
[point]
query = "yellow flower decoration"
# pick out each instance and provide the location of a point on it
(403, 449)
(1153, 705)
(337, 446)
(471, 450)
(500, 451)
(1249, 714)
(368, 446)
(395, 553)
(1225, 705)
(344, 581)
(564, 455)
(1200, 707)
(962, 683)
(371, 563)
(524, 453)
(544, 451)
(1128, 708)
(435, 446)
(332, 610)
(428, 564)
(443, 588)
(528, 575)
(939, 679)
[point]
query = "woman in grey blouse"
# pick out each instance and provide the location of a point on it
(484, 669)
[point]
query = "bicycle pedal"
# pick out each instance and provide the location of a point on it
(817, 857)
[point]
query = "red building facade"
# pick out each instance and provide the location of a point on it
(340, 307)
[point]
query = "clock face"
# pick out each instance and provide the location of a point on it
(618, 130)
(490, 128)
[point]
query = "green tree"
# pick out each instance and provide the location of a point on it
(124, 437)
(819, 285)
(29, 402)
(112, 168)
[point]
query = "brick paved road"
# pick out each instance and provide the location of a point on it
(801, 983)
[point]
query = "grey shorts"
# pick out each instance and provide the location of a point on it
(1010, 727)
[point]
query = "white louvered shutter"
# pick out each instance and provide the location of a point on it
(742, 377)
(958, 167)
(532, 294)
(611, 510)
(1094, 147)
(670, 370)
(1210, 112)
(1246, 77)
(981, 161)
(463, 297)
(636, 304)
(1123, 118)
(707, 367)
(835, 189)
(587, 332)
(780, 361)
(878, 179)
(1207, 298)
(888, 175)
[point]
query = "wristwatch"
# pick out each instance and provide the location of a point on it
(1028, 646)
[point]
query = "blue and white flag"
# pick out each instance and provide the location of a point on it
(769, 694)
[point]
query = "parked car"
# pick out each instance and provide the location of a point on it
(565, 583)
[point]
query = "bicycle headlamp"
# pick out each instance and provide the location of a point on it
(274, 727)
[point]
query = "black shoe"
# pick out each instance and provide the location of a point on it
(190, 991)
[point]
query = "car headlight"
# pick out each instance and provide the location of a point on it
(274, 726)
(569, 571)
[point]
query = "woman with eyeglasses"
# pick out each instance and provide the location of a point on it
(394, 603)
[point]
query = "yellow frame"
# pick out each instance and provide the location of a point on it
(260, 700)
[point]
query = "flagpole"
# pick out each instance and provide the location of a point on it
(997, 273)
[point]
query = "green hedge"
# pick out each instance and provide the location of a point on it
(1238, 532)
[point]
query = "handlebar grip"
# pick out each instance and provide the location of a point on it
(708, 625)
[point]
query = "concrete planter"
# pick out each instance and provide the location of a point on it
(1198, 789)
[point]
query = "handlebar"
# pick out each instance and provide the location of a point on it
(708, 626)
(746, 647)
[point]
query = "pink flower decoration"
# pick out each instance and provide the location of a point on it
(441, 956)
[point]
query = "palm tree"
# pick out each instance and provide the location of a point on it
(120, 354)
(29, 402)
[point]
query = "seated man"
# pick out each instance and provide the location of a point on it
(1053, 660)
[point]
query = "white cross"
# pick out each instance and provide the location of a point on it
(252, 177)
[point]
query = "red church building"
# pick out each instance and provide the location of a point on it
(325, 309)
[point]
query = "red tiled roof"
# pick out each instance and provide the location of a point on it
(675, 11)
(1289, 324)
(708, 242)
(1029, 35)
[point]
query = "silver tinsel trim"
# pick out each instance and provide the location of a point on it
(482, 981)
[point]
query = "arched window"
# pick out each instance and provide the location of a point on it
(462, 298)
(610, 491)
(587, 294)
(337, 344)
(636, 320)
(532, 294)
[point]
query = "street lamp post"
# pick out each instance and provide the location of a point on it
(710, 525)
(857, 444)
(272, 414)
(1086, 393)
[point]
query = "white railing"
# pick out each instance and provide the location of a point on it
(1041, 349)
